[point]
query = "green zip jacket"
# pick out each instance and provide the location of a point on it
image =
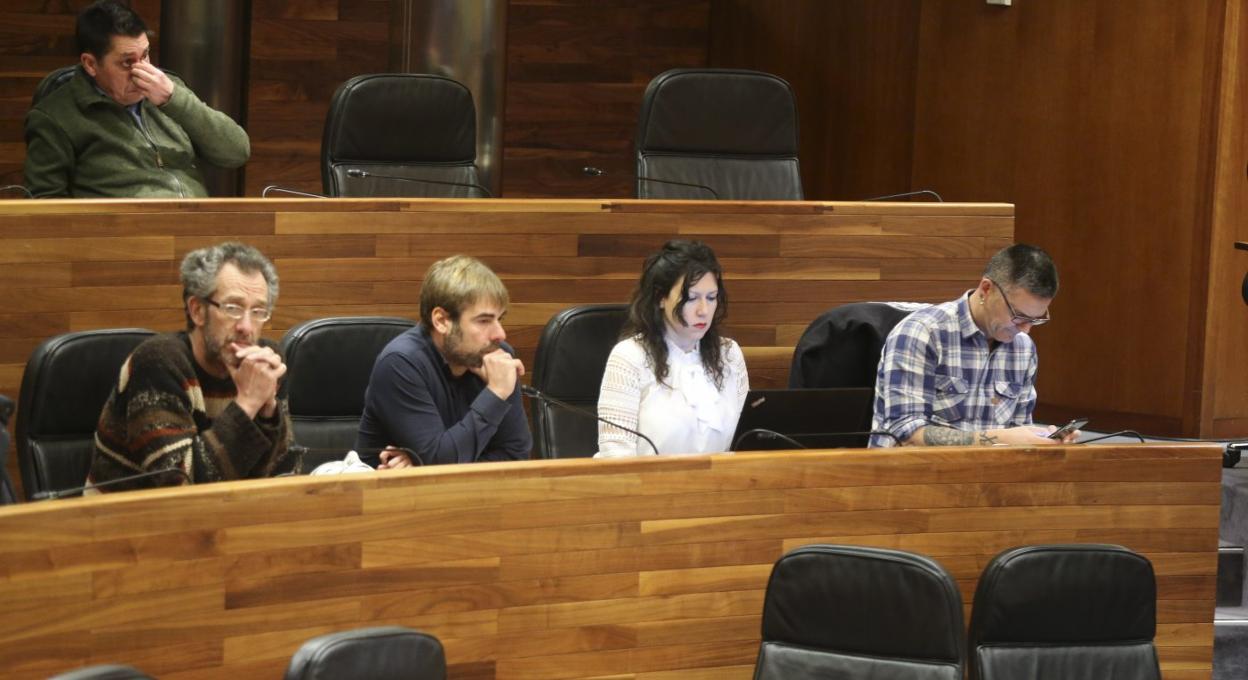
(81, 143)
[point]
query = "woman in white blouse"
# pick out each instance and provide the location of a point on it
(672, 377)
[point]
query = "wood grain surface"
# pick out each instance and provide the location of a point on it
(638, 569)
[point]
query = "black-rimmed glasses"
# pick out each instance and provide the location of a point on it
(1020, 319)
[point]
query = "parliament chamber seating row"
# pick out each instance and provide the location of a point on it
(1078, 612)
(330, 361)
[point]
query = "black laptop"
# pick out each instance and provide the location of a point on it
(816, 418)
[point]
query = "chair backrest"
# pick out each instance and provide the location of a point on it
(328, 362)
(67, 380)
(7, 494)
(418, 126)
(103, 672)
(731, 130)
(383, 653)
(836, 611)
(571, 358)
(52, 82)
(841, 348)
(1076, 612)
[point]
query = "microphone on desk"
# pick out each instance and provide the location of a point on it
(655, 180)
(23, 189)
(763, 433)
(357, 173)
(591, 171)
(920, 192)
(534, 393)
(300, 449)
(264, 193)
(61, 493)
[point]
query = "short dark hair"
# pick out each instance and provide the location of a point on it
(1026, 267)
(98, 23)
(677, 262)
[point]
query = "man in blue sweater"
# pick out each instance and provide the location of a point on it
(447, 389)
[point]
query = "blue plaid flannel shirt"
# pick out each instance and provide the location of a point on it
(936, 369)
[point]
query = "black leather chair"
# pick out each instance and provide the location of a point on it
(1076, 612)
(842, 347)
(328, 363)
(571, 358)
(67, 380)
(384, 653)
(52, 82)
(7, 494)
(422, 127)
(837, 611)
(104, 672)
(731, 131)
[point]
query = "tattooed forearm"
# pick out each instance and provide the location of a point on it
(946, 436)
(986, 439)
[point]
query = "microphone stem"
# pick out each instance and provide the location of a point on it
(537, 394)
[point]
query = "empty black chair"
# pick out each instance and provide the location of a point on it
(67, 380)
(328, 364)
(837, 612)
(571, 358)
(718, 134)
(422, 127)
(1076, 612)
(384, 653)
(103, 672)
(842, 347)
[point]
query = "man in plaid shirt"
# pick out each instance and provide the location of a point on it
(963, 373)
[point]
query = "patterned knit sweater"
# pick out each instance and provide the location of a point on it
(167, 412)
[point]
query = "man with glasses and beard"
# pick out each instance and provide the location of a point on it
(963, 373)
(202, 403)
(447, 389)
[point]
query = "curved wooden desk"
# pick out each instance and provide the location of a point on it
(647, 569)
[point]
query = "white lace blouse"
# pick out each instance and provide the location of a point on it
(685, 414)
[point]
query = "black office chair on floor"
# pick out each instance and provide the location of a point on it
(842, 347)
(838, 611)
(67, 380)
(103, 672)
(401, 125)
(384, 653)
(52, 82)
(1076, 612)
(328, 364)
(571, 358)
(725, 134)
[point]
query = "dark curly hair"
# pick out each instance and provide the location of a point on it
(683, 262)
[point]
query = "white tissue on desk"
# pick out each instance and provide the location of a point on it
(351, 463)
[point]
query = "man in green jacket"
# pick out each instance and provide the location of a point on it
(121, 127)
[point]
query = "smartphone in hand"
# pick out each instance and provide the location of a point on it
(1066, 429)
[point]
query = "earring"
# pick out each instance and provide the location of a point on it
(981, 299)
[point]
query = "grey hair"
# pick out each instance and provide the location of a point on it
(1026, 267)
(201, 267)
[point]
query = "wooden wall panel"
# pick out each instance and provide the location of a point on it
(852, 65)
(300, 53)
(1077, 119)
(571, 569)
(576, 70)
(109, 264)
(1225, 414)
(37, 37)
